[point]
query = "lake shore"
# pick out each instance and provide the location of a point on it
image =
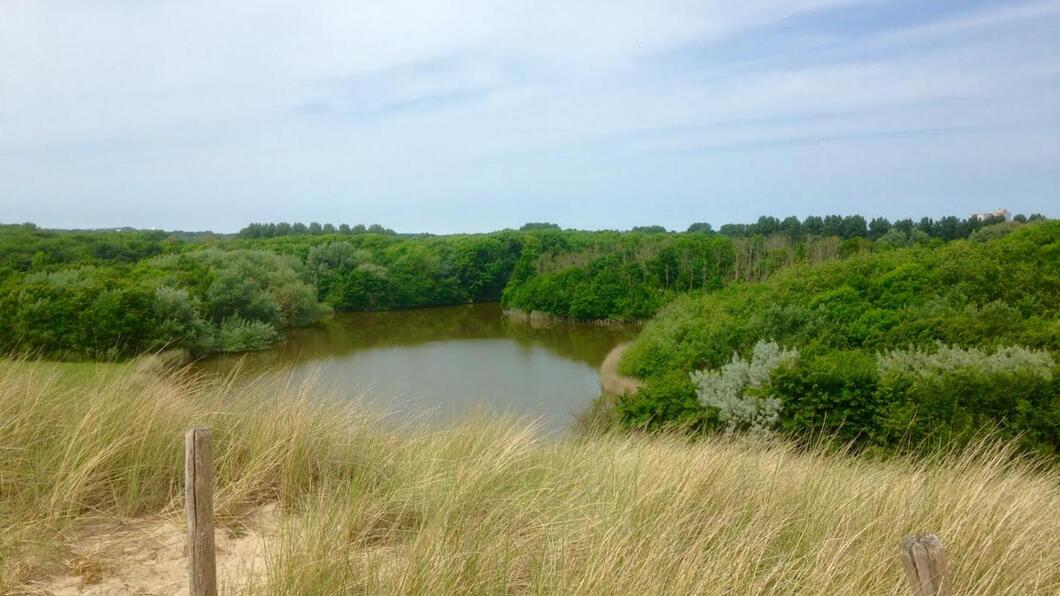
(538, 318)
(612, 381)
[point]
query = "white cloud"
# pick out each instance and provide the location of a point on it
(72, 69)
(419, 101)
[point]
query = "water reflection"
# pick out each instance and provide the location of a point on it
(447, 360)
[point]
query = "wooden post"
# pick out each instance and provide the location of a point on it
(925, 565)
(198, 505)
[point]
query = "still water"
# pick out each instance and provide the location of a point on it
(447, 362)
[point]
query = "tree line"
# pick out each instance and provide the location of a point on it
(856, 226)
(118, 293)
(271, 230)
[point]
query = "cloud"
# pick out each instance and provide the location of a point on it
(76, 68)
(413, 108)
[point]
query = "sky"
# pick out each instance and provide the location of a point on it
(470, 116)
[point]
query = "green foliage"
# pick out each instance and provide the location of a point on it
(997, 230)
(346, 276)
(98, 313)
(923, 399)
(856, 226)
(365, 274)
(615, 276)
(272, 230)
(951, 395)
(979, 296)
(532, 226)
(580, 275)
(179, 321)
(246, 284)
(649, 229)
(239, 335)
(179, 300)
(26, 247)
(668, 402)
(830, 393)
(920, 399)
(145, 290)
(943, 359)
(1005, 291)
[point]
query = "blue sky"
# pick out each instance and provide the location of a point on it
(479, 115)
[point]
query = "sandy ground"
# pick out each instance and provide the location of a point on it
(613, 382)
(147, 557)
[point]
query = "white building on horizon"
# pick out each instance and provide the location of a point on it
(1003, 213)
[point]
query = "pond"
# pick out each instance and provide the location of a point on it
(448, 362)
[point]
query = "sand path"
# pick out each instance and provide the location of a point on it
(613, 382)
(147, 556)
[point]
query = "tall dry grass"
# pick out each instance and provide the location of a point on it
(489, 506)
(76, 446)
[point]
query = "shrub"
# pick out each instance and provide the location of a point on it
(736, 390)
(85, 312)
(995, 231)
(894, 238)
(610, 276)
(239, 335)
(212, 300)
(179, 322)
(950, 395)
(248, 284)
(1003, 291)
(830, 392)
(924, 363)
(922, 399)
(669, 402)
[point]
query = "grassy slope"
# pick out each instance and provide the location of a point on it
(488, 507)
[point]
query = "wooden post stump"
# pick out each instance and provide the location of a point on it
(198, 505)
(925, 565)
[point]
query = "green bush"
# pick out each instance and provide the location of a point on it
(1001, 292)
(979, 296)
(918, 399)
(951, 395)
(238, 335)
(669, 402)
(179, 300)
(179, 322)
(86, 312)
(831, 393)
(615, 276)
(248, 284)
(368, 272)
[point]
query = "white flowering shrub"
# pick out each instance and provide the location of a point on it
(919, 363)
(735, 389)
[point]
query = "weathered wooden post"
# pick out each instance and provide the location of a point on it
(925, 565)
(198, 505)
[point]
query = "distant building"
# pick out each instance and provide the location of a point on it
(1002, 213)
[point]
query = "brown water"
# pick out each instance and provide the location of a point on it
(447, 361)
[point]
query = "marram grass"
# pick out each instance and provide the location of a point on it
(489, 506)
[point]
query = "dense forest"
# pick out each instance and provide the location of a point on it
(104, 295)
